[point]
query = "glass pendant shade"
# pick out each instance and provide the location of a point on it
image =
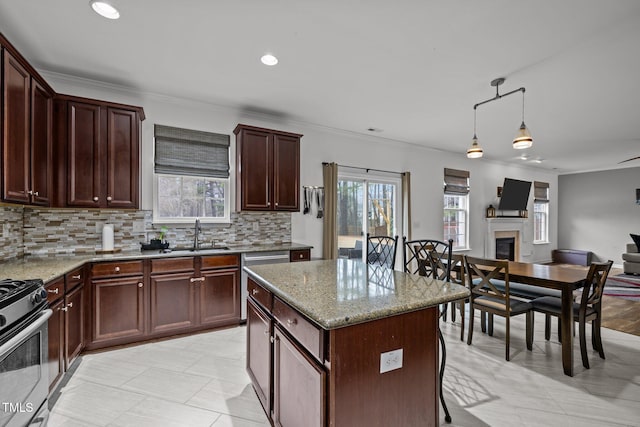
(523, 138)
(475, 151)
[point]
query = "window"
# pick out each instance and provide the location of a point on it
(191, 176)
(540, 212)
(456, 208)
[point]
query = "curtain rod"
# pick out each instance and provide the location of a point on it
(366, 169)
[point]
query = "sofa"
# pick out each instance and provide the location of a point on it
(631, 259)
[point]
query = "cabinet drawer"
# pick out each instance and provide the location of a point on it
(300, 255)
(168, 265)
(116, 268)
(74, 278)
(307, 334)
(55, 290)
(260, 294)
(216, 261)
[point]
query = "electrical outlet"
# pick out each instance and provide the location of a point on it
(6, 229)
(256, 226)
(391, 360)
(138, 227)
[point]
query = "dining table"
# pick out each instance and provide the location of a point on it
(564, 277)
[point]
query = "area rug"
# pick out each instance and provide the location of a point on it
(625, 286)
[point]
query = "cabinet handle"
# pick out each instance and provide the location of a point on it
(63, 309)
(276, 204)
(109, 198)
(117, 269)
(70, 305)
(140, 284)
(76, 277)
(32, 193)
(53, 291)
(95, 199)
(272, 340)
(197, 279)
(292, 322)
(35, 193)
(301, 256)
(254, 292)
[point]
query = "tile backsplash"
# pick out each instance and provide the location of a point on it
(43, 231)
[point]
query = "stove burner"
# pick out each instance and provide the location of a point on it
(8, 286)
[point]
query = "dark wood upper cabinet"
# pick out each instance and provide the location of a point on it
(41, 144)
(98, 153)
(268, 169)
(26, 131)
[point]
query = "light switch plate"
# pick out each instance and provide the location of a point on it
(390, 360)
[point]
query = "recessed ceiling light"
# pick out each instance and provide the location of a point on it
(105, 9)
(269, 59)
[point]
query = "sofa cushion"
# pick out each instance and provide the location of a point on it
(631, 257)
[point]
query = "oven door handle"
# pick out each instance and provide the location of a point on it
(26, 332)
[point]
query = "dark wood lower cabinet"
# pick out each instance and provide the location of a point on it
(259, 352)
(74, 324)
(172, 302)
(118, 308)
(219, 301)
(298, 385)
(55, 363)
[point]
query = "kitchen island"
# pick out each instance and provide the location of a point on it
(343, 343)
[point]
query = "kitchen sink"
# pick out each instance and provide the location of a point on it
(201, 248)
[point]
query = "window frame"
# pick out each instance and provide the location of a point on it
(541, 198)
(226, 219)
(466, 223)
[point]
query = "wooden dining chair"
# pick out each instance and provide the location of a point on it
(458, 276)
(431, 258)
(381, 250)
(483, 274)
(588, 309)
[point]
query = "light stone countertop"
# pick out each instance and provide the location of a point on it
(49, 268)
(343, 292)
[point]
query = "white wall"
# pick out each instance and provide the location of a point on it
(320, 144)
(598, 212)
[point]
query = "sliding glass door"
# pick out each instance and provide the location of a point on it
(366, 204)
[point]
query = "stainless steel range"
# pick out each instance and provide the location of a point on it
(23, 353)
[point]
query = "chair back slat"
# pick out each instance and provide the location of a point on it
(498, 270)
(594, 286)
(428, 257)
(381, 250)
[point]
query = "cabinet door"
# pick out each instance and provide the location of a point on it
(254, 160)
(219, 297)
(259, 353)
(15, 133)
(74, 324)
(286, 173)
(84, 155)
(298, 385)
(122, 158)
(118, 308)
(41, 151)
(172, 305)
(55, 362)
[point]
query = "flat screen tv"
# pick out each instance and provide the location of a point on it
(515, 195)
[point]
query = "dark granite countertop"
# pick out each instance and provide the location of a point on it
(339, 293)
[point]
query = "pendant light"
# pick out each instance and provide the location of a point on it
(475, 151)
(523, 138)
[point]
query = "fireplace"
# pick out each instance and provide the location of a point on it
(518, 230)
(505, 248)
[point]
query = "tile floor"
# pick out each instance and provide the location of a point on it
(200, 380)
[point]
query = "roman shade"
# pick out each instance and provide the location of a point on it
(456, 181)
(191, 152)
(540, 192)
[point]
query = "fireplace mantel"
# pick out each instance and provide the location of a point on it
(522, 230)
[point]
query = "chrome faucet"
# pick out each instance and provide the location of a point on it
(196, 233)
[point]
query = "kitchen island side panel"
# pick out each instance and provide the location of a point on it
(359, 395)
